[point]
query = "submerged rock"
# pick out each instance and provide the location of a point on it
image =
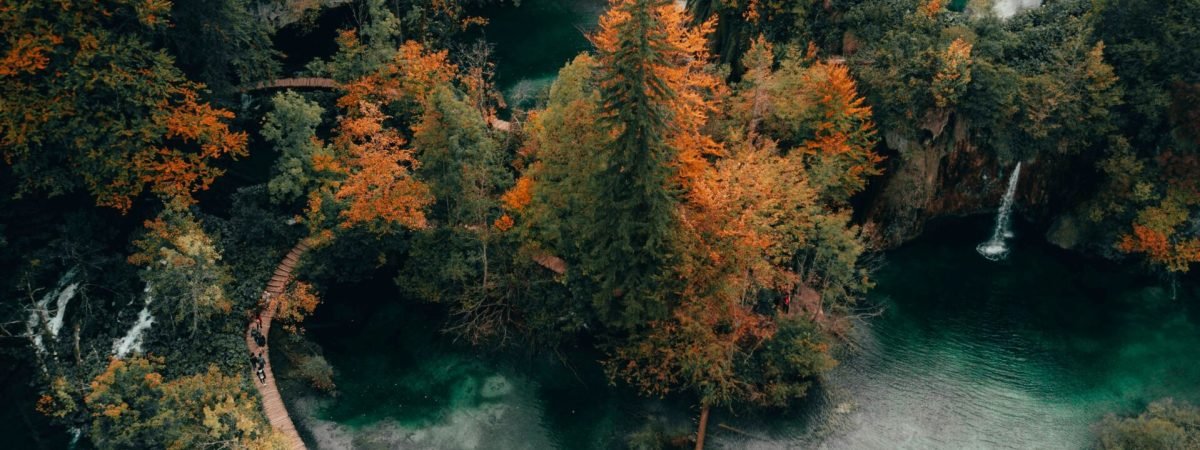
(1064, 232)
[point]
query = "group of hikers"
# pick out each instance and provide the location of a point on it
(256, 359)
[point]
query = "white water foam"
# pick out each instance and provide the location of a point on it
(1008, 8)
(132, 341)
(996, 248)
(62, 294)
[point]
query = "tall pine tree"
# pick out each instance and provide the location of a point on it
(629, 245)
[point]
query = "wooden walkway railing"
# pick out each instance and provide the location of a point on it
(299, 83)
(272, 402)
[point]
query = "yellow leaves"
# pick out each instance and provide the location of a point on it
(114, 411)
(380, 186)
(470, 21)
(45, 405)
(59, 401)
(131, 403)
(1157, 228)
(175, 172)
(683, 71)
(1175, 256)
(191, 121)
(348, 39)
(153, 379)
(420, 70)
(752, 13)
(954, 73)
(410, 77)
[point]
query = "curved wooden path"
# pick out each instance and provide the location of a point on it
(294, 83)
(272, 403)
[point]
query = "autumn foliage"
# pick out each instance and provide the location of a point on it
(125, 119)
(379, 187)
(408, 79)
(1161, 228)
(196, 134)
(133, 405)
(296, 303)
(744, 206)
(954, 73)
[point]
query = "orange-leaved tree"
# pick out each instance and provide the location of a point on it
(88, 102)
(298, 301)
(814, 109)
(1162, 229)
(379, 188)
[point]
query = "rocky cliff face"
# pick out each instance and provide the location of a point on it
(280, 13)
(944, 174)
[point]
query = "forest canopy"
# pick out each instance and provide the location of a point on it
(700, 197)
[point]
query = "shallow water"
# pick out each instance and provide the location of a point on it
(969, 353)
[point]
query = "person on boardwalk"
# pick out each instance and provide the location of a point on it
(259, 339)
(256, 343)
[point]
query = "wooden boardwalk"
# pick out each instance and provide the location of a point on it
(271, 401)
(296, 83)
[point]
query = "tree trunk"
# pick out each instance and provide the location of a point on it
(78, 354)
(703, 427)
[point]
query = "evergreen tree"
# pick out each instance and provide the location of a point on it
(629, 245)
(292, 127)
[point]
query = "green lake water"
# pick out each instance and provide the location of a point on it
(536, 39)
(968, 353)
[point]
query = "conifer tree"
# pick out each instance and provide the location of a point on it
(629, 244)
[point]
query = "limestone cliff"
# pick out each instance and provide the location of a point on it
(943, 174)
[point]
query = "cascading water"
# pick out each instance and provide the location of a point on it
(132, 342)
(996, 248)
(61, 295)
(1008, 8)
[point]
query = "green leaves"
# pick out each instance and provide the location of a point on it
(182, 268)
(292, 127)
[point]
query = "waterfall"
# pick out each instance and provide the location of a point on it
(61, 295)
(76, 432)
(1008, 8)
(132, 342)
(996, 248)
